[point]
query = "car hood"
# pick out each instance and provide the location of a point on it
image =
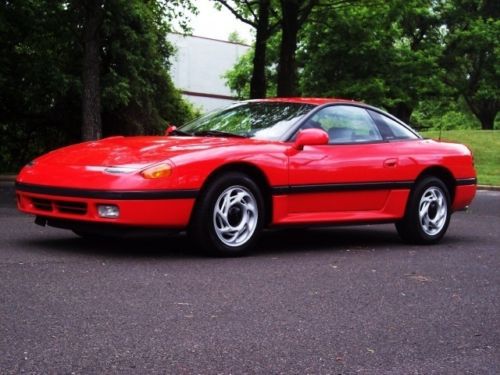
(135, 151)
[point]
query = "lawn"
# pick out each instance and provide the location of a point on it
(485, 144)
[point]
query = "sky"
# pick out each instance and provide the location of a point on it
(211, 23)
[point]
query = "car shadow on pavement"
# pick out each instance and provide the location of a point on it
(327, 239)
(275, 241)
(176, 246)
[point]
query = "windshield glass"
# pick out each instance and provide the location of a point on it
(262, 120)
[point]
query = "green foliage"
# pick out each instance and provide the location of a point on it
(385, 54)
(234, 37)
(444, 114)
(342, 59)
(238, 78)
(419, 59)
(472, 55)
(137, 93)
(484, 145)
(39, 83)
(40, 73)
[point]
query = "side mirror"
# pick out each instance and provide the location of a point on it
(310, 137)
(170, 129)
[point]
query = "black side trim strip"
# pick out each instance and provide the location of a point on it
(466, 181)
(107, 194)
(297, 189)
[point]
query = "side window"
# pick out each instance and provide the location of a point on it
(345, 124)
(391, 129)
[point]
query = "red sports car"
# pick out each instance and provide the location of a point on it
(256, 164)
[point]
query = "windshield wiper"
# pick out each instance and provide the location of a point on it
(218, 133)
(180, 132)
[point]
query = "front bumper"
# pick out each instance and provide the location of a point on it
(155, 208)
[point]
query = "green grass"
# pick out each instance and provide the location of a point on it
(485, 145)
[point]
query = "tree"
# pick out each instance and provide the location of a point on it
(417, 45)
(39, 80)
(137, 93)
(266, 16)
(43, 81)
(130, 37)
(93, 12)
(472, 55)
(255, 14)
(385, 54)
(238, 78)
(263, 32)
(400, 54)
(293, 15)
(235, 37)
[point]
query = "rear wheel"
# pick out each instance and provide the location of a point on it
(427, 213)
(229, 219)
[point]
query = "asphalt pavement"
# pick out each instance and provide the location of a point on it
(341, 300)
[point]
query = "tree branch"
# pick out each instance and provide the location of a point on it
(236, 14)
(250, 5)
(304, 12)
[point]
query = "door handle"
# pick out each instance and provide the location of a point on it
(390, 163)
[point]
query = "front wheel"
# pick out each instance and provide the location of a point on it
(427, 213)
(229, 219)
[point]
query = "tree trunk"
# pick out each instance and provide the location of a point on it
(485, 111)
(258, 81)
(487, 121)
(287, 74)
(91, 93)
(402, 111)
(486, 118)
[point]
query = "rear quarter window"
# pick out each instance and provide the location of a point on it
(390, 129)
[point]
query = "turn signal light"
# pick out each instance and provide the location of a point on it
(157, 171)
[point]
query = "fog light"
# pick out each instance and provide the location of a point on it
(108, 211)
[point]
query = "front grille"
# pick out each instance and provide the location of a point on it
(76, 208)
(42, 204)
(65, 207)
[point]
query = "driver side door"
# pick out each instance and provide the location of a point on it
(350, 175)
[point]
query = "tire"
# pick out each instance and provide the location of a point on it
(427, 213)
(228, 219)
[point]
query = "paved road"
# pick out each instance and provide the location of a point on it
(322, 301)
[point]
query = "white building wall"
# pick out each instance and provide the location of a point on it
(199, 66)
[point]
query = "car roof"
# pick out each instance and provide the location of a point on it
(313, 101)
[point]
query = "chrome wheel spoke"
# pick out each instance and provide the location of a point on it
(226, 229)
(433, 210)
(235, 216)
(438, 218)
(424, 207)
(221, 218)
(224, 206)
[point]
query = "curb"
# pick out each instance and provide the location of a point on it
(488, 187)
(8, 177)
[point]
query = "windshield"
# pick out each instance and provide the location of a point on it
(262, 120)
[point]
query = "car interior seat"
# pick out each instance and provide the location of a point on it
(311, 124)
(339, 135)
